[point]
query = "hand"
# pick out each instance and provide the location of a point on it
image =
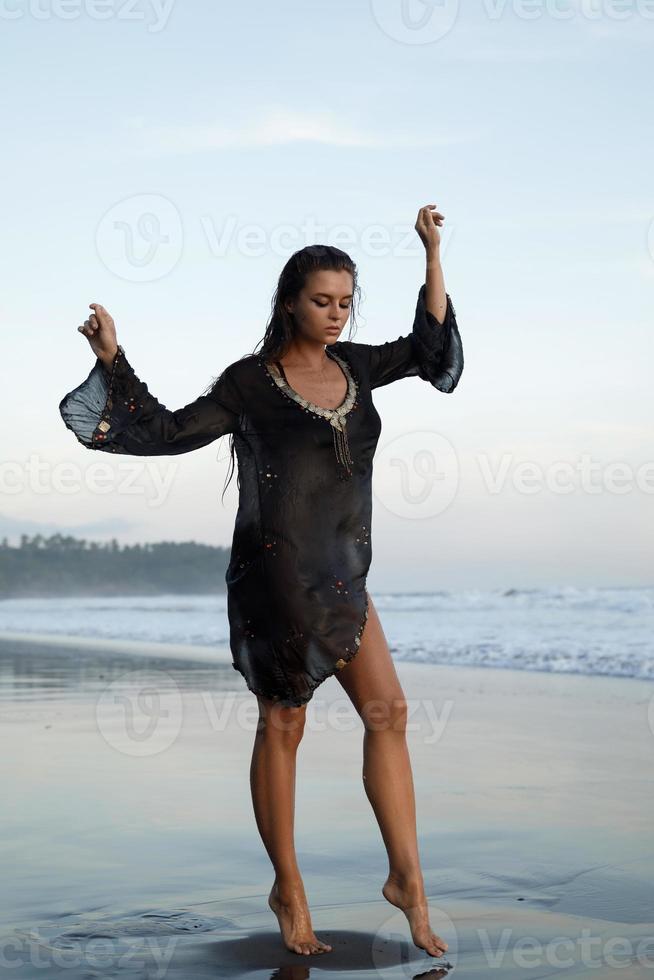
(427, 227)
(100, 332)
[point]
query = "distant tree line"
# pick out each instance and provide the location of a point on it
(65, 565)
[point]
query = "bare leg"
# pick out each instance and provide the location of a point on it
(272, 781)
(372, 684)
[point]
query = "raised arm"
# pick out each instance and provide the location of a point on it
(433, 350)
(113, 411)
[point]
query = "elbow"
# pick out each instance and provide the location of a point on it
(445, 382)
(451, 364)
(446, 375)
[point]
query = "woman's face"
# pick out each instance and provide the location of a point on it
(322, 307)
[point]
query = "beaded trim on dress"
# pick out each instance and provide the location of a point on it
(337, 417)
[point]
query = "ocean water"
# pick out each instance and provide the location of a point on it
(606, 631)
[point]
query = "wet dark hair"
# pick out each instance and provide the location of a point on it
(281, 327)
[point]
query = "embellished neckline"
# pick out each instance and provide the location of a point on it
(335, 415)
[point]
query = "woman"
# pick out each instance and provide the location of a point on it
(301, 419)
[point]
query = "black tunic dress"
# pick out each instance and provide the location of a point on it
(301, 549)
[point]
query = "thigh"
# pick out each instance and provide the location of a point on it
(371, 674)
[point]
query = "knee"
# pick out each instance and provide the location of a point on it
(283, 724)
(385, 715)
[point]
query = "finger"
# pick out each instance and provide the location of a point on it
(98, 310)
(101, 313)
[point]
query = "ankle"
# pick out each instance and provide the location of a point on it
(289, 887)
(407, 879)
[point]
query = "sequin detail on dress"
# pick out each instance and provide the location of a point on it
(105, 421)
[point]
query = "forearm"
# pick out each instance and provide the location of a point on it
(435, 296)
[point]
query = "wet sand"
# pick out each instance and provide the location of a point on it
(129, 845)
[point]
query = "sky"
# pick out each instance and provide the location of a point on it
(166, 159)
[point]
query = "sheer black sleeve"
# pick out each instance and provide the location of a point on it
(113, 411)
(432, 351)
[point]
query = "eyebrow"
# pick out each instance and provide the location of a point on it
(329, 295)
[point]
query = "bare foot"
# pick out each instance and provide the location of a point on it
(290, 907)
(410, 897)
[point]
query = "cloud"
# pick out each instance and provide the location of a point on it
(282, 126)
